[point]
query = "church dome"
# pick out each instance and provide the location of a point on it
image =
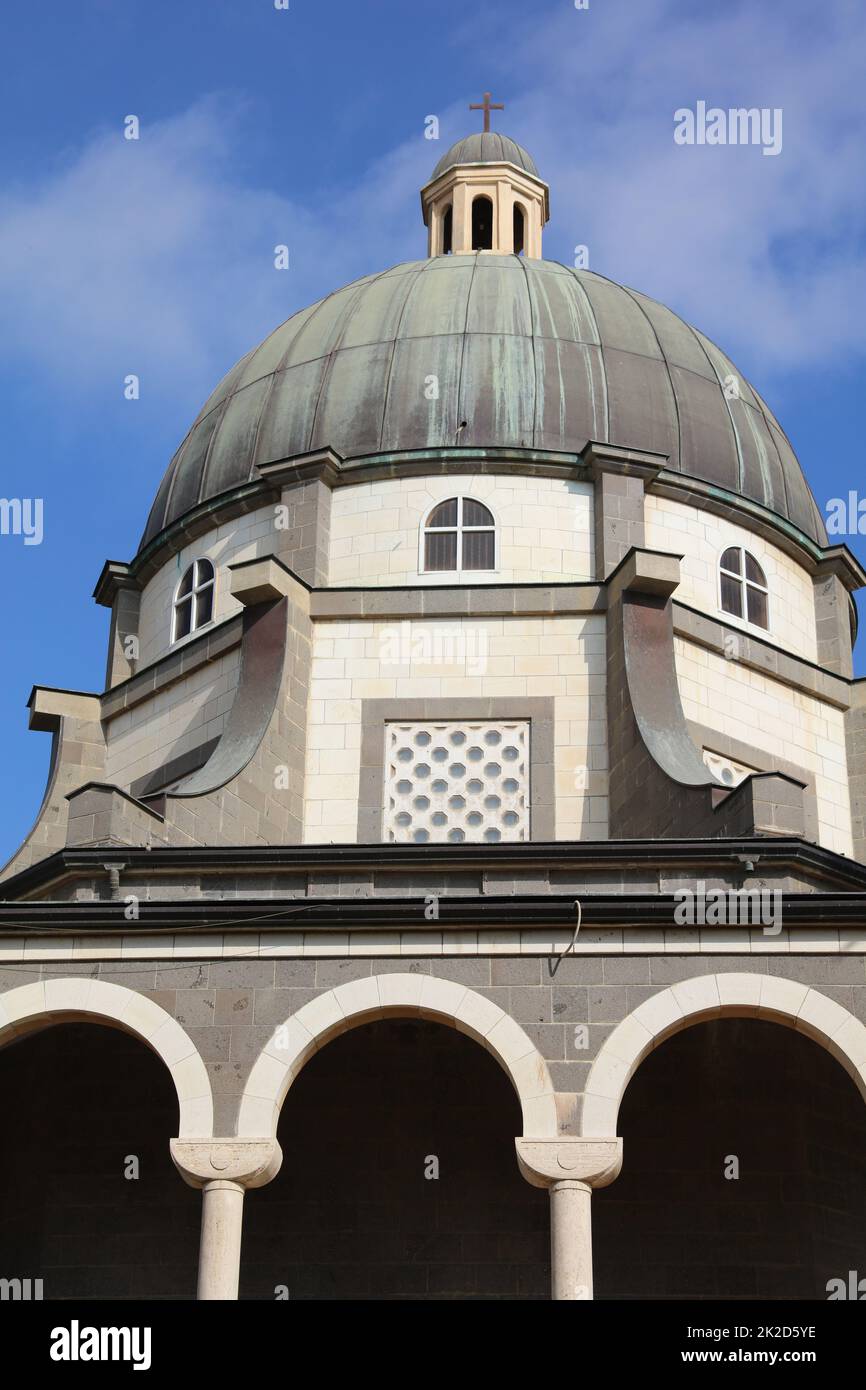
(530, 354)
(486, 147)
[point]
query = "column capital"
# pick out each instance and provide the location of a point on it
(590, 1162)
(240, 1162)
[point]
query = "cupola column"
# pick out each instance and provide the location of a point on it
(462, 218)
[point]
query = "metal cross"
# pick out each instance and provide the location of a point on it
(487, 106)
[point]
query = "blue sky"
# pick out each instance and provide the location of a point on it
(306, 127)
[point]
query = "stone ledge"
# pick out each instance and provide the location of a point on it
(48, 706)
(266, 579)
(761, 656)
(645, 572)
(458, 601)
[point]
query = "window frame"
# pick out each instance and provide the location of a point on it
(745, 584)
(196, 588)
(459, 571)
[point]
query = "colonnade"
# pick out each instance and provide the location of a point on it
(568, 1167)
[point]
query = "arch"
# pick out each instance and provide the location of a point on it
(519, 228)
(396, 996)
(734, 995)
(482, 223)
(448, 230)
(81, 1000)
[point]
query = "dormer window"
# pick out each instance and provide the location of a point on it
(193, 599)
(743, 587)
(459, 534)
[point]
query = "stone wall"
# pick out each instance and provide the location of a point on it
(785, 723)
(544, 528)
(457, 659)
(295, 529)
(188, 714)
(701, 538)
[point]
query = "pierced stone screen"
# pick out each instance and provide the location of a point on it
(457, 782)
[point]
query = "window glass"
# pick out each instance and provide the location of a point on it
(732, 596)
(440, 550)
(445, 514)
(459, 535)
(475, 513)
(754, 571)
(757, 601)
(479, 550)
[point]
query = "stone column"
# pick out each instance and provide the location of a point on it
(837, 576)
(223, 1169)
(120, 591)
(219, 1255)
(570, 1168)
(620, 478)
(570, 1240)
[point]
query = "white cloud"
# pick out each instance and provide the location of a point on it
(766, 254)
(156, 256)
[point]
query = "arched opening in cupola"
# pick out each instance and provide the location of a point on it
(482, 224)
(448, 231)
(519, 230)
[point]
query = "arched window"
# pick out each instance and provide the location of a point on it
(448, 231)
(193, 599)
(519, 230)
(459, 534)
(482, 224)
(743, 587)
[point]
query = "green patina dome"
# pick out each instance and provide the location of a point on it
(487, 147)
(531, 354)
